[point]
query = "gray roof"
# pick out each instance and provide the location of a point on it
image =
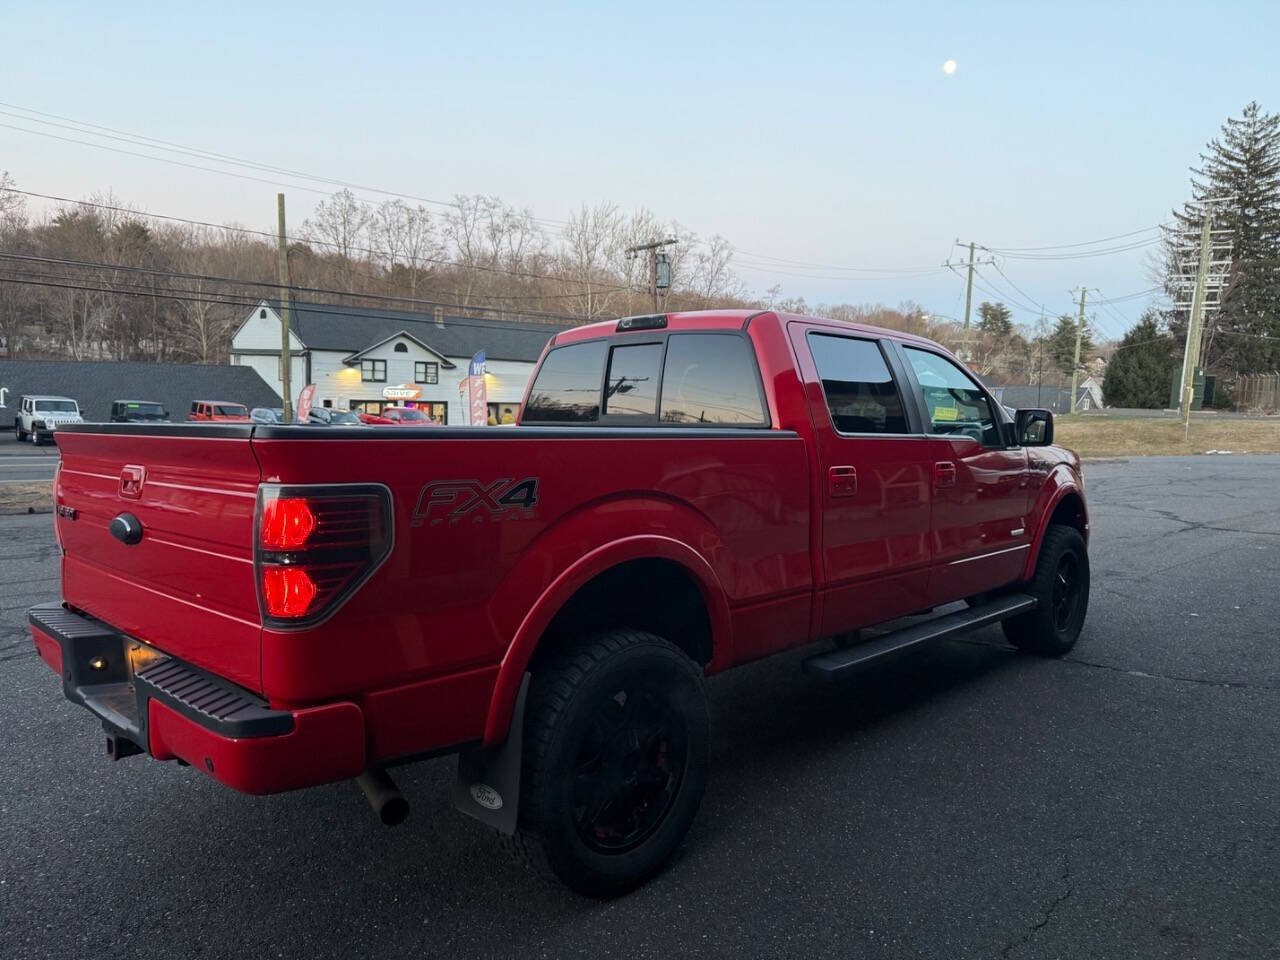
(96, 384)
(324, 326)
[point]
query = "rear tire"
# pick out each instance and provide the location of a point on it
(1061, 588)
(18, 433)
(614, 764)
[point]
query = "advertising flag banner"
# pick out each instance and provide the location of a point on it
(303, 410)
(464, 398)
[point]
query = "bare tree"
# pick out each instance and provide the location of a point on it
(589, 258)
(405, 238)
(711, 278)
(341, 222)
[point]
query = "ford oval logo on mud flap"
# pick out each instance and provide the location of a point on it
(486, 796)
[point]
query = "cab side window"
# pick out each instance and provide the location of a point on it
(861, 394)
(568, 385)
(956, 406)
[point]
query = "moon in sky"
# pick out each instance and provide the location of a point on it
(949, 67)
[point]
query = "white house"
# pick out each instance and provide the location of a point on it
(361, 359)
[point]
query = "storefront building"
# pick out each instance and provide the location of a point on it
(361, 359)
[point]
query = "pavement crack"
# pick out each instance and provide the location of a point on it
(1050, 909)
(1171, 678)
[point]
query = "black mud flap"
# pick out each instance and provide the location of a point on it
(488, 783)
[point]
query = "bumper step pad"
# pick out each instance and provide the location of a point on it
(120, 699)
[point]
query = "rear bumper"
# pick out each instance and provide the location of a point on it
(174, 711)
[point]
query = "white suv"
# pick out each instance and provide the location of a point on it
(38, 417)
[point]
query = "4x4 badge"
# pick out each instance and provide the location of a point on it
(453, 499)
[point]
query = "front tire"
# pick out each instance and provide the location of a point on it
(614, 764)
(1061, 588)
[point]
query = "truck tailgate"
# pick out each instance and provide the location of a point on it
(186, 587)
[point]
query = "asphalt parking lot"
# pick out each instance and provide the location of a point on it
(969, 802)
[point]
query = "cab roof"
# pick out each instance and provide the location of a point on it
(722, 320)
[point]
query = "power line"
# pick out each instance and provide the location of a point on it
(136, 139)
(822, 266)
(1084, 255)
(30, 278)
(1083, 243)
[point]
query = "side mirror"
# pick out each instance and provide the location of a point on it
(1034, 427)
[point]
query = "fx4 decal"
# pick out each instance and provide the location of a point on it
(451, 500)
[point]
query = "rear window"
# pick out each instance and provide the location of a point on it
(632, 385)
(568, 385)
(861, 395)
(710, 378)
(229, 410)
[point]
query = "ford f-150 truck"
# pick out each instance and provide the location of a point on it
(280, 606)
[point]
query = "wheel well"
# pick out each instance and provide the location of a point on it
(658, 596)
(1069, 512)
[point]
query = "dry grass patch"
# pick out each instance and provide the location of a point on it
(1100, 436)
(33, 497)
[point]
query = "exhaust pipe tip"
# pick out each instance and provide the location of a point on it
(384, 796)
(394, 812)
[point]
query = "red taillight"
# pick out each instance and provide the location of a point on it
(315, 546)
(287, 592)
(286, 523)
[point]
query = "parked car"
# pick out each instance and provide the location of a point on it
(408, 417)
(372, 418)
(334, 418)
(267, 414)
(682, 494)
(218, 410)
(138, 411)
(39, 416)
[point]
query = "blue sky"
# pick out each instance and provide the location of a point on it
(824, 133)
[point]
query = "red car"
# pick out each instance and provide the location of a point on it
(289, 606)
(219, 411)
(407, 417)
(372, 418)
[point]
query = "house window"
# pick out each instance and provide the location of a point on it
(373, 371)
(401, 348)
(262, 314)
(503, 413)
(426, 372)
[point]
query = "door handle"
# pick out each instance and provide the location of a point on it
(842, 481)
(944, 474)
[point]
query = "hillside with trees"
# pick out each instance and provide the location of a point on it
(97, 280)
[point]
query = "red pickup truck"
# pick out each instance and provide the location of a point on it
(281, 607)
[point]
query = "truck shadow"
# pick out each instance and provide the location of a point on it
(770, 711)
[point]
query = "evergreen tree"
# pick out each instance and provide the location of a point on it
(1140, 373)
(995, 319)
(1060, 345)
(1243, 164)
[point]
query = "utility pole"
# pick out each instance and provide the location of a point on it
(286, 361)
(968, 302)
(1195, 321)
(968, 294)
(659, 280)
(1075, 366)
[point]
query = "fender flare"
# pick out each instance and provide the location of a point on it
(1067, 485)
(642, 547)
